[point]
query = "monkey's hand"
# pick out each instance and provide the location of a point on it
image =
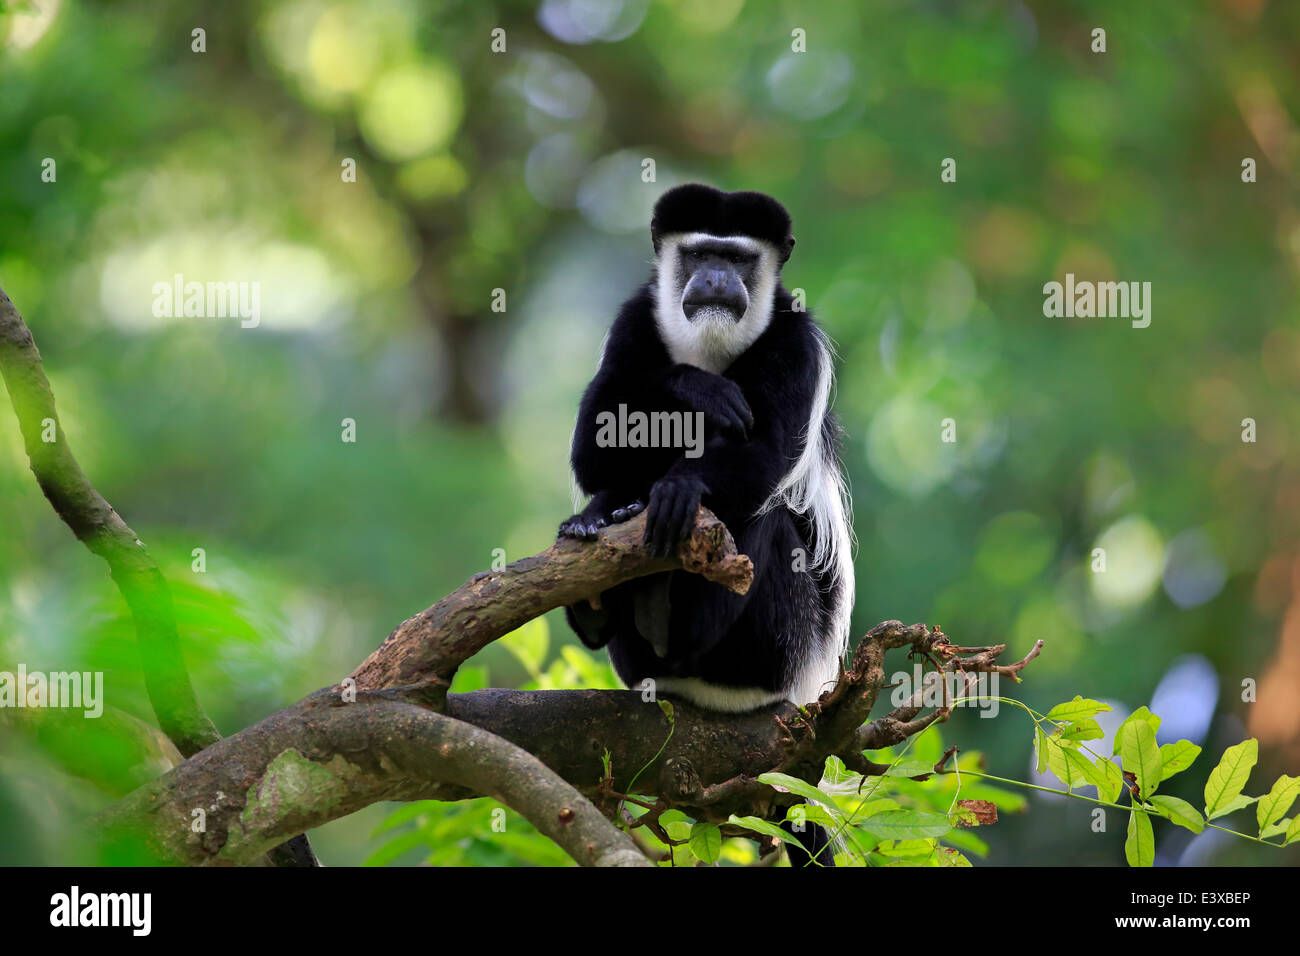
(718, 397)
(587, 523)
(673, 503)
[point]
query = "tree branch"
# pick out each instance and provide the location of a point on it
(101, 529)
(431, 645)
(374, 749)
(323, 759)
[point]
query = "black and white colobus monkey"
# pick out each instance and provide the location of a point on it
(714, 331)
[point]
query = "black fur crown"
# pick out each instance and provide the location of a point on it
(695, 207)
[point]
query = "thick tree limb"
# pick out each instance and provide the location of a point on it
(426, 651)
(431, 645)
(323, 759)
(375, 749)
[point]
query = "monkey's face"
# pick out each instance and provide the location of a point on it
(714, 295)
(716, 276)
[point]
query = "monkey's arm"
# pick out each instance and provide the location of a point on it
(736, 474)
(716, 396)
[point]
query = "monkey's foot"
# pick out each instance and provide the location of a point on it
(587, 524)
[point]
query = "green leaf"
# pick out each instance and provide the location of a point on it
(1275, 829)
(592, 672)
(1051, 749)
(706, 842)
(811, 813)
(529, 644)
(1140, 844)
(759, 825)
(398, 846)
(1177, 757)
(906, 824)
(1141, 755)
(1072, 768)
(1240, 801)
(795, 785)
(407, 813)
(469, 679)
(909, 768)
(1274, 804)
(1110, 780)
(806, 790)
(913, 849)
(680, 830)
(1077, 709)
(1180, 812)
(1227, 779)
(1139, 716)
(872, 807)
(1079, 730)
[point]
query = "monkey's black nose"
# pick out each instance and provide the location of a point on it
(715, 288)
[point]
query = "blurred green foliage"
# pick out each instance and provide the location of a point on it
(521, 170)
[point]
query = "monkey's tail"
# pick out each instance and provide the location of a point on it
(818, 850)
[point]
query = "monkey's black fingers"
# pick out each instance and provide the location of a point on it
(741, 412)
(656, 525)
(733, 403)
(619, 515)
(652, 536)
(679, 524)
(737, 426)
(673, 503)
(732, 413)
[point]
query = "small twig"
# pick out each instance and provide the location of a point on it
(947, 755)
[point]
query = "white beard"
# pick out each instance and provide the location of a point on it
(714, 339)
